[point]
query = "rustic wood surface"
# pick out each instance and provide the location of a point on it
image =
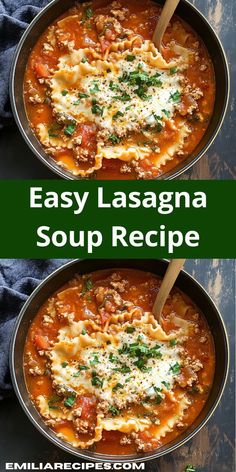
(211, 450)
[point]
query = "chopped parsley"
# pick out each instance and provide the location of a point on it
(52, 131)
(114, 139)
(142, 352)
(175, 97)
(114, 411)
(173, 70)
(88, 285)
(125, 97)
(124, 369)
(158, 127)
(95, 360)
(175, 368)
(166, 384)
(84, 59)
(114, 86)
(52, 402)
(69, 401)
(166, 112)
(158, 399)
(84, 331)
(117, 387)
(82, 95)
(77, 374)
(95, 87)
(83, 367)
(96, 381)
(88, 13)
(130, 329)
(96, 109)
(64, 92)
(173, 342)
(113, 358)
(76, 103)
(64, 364)
(117, 115)
(130, 58)
(70, 129)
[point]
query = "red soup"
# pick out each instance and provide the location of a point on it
(105, 375)
(103, 101)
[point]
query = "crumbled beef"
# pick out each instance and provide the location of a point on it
(125, 440)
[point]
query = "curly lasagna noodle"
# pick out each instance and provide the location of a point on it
(105, 103)
(105, 375)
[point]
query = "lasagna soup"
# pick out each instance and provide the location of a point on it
(102, 372)
(103, 101)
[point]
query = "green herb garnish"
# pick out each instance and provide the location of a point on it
(70, 129)
(64, 364)
(166, 112)
(88, 13)
(96, 109)
(52, 402)
(69, 401)
(96, 381)
(95, 88)
(190, 468)
(173, 342)
(64, 92)
(52, 130)
(113, 358)
(95, 360)
(173, 70)
(84, 331)
(82, 95)
(166, 384)
(114, 411)
(114, 139)
(117, 387)
(175, 369)
(175, 97)
(130, 58)
(88, 285)
(83, 367)
(116, 116)
(130, 329)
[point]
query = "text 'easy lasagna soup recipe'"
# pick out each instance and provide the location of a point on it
(105, 103)
(102, 372)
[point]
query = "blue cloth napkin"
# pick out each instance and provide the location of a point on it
(15, 15)
(18, 278)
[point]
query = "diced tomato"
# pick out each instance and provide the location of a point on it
(41, 70)
(88, 407)
(104, 44)
(41, 342)
(104, 316)
(88, 133)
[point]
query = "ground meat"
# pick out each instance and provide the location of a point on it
(120, 14)
(82, 426)
(36, 371)
(125, 440)
(120, 286)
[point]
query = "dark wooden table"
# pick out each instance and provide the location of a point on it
(212, 450)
